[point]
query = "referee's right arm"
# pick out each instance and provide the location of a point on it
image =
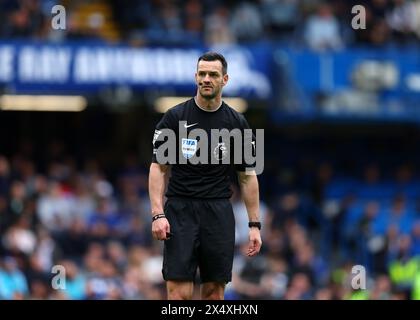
(157, 182)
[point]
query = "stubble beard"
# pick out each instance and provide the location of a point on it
(209, 96)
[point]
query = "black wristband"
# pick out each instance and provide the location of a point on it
(255, 224)
(158, 216)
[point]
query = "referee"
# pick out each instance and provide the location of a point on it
(197, 222)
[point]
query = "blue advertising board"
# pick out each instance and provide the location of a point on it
(85, 68)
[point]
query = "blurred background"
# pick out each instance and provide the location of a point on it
(340, 106)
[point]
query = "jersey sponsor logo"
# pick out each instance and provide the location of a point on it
(189, 125)
(189, 148)
(220, 151)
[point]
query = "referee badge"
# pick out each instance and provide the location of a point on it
(156, 136)
(189, 148)
(220, 151)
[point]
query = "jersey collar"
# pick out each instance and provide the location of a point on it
(196, 103)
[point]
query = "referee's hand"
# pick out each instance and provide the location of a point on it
(161, 229)
(255, 242)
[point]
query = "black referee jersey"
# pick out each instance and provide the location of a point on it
(201, 181)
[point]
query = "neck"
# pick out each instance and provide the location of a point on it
(208, 105)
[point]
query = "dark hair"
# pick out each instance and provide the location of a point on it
(214, 56)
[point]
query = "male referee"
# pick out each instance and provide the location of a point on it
(197, 221)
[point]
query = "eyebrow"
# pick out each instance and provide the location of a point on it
(208, 71)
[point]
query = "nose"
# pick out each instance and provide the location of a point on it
(206, 78)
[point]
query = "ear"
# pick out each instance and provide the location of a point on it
(195, 78)
(225, 79)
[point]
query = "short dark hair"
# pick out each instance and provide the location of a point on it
(214, 56)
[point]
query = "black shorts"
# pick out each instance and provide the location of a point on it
(203, 236)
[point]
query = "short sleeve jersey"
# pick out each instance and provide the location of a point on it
(209, 179)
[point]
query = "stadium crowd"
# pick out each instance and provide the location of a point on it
(318, 223)
(318, 24)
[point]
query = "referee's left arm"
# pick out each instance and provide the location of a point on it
(250, 193)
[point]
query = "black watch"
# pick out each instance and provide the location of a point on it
(255, 224)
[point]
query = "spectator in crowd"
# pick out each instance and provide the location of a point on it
(322, 31)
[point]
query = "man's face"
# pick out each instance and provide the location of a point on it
(210, 79)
